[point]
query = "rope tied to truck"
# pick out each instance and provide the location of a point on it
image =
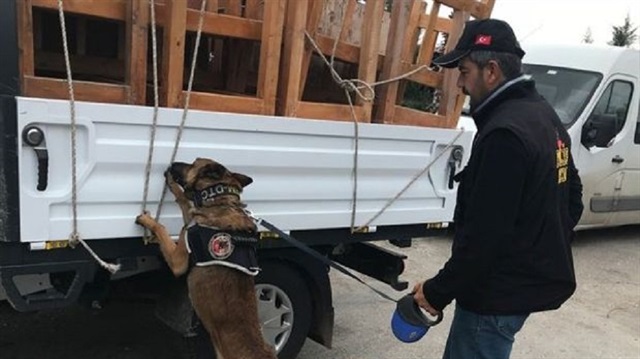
(356, 86)
(185, 111)
(74, 237)
(156, 105)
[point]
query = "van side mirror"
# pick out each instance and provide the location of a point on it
(598, 130)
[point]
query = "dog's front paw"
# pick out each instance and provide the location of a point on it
(146, 221)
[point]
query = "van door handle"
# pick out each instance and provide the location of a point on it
(617, 159)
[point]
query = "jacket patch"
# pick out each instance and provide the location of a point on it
(562, 161)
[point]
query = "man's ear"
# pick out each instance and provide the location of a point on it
(244, 180)
(494, 73)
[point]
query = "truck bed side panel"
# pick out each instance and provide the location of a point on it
(302, 169)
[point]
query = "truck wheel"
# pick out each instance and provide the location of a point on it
(284, 308)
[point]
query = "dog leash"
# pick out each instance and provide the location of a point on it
(310, 251)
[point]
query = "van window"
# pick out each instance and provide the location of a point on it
(567, 90)
(610, 113)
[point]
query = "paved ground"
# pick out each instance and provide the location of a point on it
(602, 320)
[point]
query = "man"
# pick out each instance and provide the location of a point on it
(519, 199)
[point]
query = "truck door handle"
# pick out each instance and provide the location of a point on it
(454, 160)
(617, 159)
(34, 137)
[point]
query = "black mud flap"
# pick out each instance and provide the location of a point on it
(67, 278)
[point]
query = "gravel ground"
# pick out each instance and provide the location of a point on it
(602, 320)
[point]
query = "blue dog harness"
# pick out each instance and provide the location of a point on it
(212, 246)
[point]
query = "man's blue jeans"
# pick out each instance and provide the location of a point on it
(475, 336)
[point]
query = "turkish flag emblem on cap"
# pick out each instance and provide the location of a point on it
(483, 40)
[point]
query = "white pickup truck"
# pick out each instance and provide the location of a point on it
(596, 92)
(303, 183)
(303, 172)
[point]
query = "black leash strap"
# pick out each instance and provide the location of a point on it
(303, 247)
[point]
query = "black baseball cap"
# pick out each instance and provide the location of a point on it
(482, 35)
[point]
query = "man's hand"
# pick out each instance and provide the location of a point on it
(418, 296)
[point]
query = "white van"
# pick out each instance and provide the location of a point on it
(596, 93)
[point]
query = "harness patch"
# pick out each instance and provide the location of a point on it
(210, 246)
(220, 245)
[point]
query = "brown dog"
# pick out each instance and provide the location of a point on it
(217, 232)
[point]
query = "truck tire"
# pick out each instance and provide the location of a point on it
(284, 308)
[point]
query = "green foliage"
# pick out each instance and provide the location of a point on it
(625, 35)
(587, 38)
(419, 97)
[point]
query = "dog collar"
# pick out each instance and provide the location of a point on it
(209, 193)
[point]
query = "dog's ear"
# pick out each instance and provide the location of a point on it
(213, 170)
(244, 180)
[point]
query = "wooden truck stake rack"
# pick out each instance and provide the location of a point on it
(256, 56)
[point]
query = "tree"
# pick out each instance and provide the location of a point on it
(587, 38)
(625, 35)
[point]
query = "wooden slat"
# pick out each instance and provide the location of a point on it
(430, 37)
(173, 51)
(314, 14)
(369, 48)
(225, 103)
(392, 65)
(217, 24)
(344, 51)
(225, 25)
(270, 49)
(425, 76)
(444, 25)
(411, 117)
(483, 9)
(83, 90)
(25, 41)
(111, 9)
(291, 70)
(329, 111)
(212, 6)
(450, 90)
(454, 116)
(136, 57)
(347, 20)
(254, 9)
(410, 44)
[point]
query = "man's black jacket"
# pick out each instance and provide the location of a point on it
(518, 201)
